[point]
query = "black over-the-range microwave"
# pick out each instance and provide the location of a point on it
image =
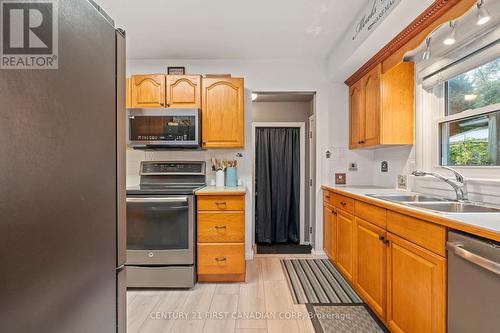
(163, 128)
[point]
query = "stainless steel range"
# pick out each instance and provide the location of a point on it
(160, 225)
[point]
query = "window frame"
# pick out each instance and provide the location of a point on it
(431, 105)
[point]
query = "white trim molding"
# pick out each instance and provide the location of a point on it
(319, 254)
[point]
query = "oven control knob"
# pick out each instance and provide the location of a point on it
(150, 254)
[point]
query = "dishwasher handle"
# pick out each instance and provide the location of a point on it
(458, 249)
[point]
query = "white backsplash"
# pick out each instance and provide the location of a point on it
(135, 156)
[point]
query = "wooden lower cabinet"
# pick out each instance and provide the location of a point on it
(345, 248)
(396, 263)
(221, 262)
(221, 238)
(416, 289)
(370, 265)
(330, 232)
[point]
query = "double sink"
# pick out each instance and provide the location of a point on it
(437, 204)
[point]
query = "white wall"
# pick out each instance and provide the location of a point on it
(281, 111)
(401, 162)
(347, 56)
(262, 76)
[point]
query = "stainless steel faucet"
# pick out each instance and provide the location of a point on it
(459, 185)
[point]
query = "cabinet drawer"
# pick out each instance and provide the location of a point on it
(344, 203)
(221, 259)
(371, 213)
(428, 235)
(220, 227)
(328, 197)
(221, 202)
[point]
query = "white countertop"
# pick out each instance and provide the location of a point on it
(486, 221)
(221, 190)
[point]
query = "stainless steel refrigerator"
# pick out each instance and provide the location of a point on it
(62, 183)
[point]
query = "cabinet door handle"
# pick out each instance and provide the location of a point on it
(222, 203)
(220, 259)
(220, 227)
(381, 237)
(162, 104)
(328, 197)
(343, 203)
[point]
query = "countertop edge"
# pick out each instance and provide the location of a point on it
(212, 190)
(420, 214)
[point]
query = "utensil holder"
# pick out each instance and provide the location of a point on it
(219, 178)
(231, 180)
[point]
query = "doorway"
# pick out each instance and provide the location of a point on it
(282, 173)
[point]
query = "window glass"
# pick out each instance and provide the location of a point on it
(474, 89)
(471, 141)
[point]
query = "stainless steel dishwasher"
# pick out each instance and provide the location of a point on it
(473, 284)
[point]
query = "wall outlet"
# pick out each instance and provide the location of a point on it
(402, 182)
(353, 166)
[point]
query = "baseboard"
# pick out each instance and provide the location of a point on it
(249, 255)
(319, 254)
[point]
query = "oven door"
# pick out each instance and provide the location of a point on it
(163, 127)
(160, 230)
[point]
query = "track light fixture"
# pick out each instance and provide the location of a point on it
(482, 14)
(427, 53)
(451, 37)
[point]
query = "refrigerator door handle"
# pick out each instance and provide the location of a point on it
(458, 249)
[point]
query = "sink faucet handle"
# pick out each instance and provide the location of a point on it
(458, 176)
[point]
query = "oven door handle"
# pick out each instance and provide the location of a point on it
(157, 199)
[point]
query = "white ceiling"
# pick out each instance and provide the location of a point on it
(232, 29)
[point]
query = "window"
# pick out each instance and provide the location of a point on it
(470, 128)
(474, 89)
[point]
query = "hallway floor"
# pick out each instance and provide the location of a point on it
(283, 248)
(264, 292)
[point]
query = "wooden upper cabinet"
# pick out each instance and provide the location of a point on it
(381, 106)
(371, 114)
(148, 91)
(416, 297)
(128, 94)
(184, 91)
(223, 113)
(370, 256)
(356, 112)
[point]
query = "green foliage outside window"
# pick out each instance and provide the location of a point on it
(476, 88)
(469, 152)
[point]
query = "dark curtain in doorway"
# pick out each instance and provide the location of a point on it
(277, 178)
